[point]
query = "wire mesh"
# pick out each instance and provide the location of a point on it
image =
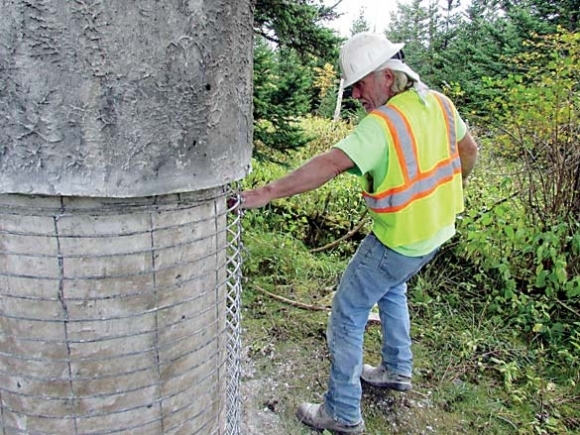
(233, 318)
(120, 316)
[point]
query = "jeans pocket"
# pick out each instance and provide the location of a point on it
(399, 268)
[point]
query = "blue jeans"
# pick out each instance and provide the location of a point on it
(375, 275)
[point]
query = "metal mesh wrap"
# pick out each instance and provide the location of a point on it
(119, 316)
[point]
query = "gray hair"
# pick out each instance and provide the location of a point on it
(402, 81)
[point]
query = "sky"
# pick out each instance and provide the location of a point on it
(377, 13)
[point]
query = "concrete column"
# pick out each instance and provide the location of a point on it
(124, 98)
(120, 124)
(112, 315)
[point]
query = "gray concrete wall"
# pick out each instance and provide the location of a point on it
(114, 98)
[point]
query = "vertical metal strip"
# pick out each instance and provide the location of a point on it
(156, 334)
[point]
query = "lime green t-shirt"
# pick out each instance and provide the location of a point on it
(367, 147)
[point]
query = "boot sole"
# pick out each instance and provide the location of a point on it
(335, 431)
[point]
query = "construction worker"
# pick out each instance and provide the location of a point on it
(413, 155)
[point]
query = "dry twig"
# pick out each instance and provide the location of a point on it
(348, 235)
(290, 301)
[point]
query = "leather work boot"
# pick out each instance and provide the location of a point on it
(382, 377)
(316, 416)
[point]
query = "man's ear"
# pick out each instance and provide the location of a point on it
(389, 78)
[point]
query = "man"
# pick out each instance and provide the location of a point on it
(413, 155)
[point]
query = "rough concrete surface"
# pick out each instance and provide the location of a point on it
(124, 99)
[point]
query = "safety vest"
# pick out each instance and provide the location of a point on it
(422, 191)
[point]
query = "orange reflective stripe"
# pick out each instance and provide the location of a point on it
(403, 139)
(417, 184)
(421, 188)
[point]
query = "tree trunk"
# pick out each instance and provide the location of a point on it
(336, 116)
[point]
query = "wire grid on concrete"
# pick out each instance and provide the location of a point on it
(120, 316)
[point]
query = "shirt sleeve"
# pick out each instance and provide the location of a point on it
(366, 146)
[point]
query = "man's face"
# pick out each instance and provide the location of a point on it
(373, 90)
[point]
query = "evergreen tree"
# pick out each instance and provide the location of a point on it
(565, 13)
(407, 25)
(483, 44)
(290, 41)
(282, 87)
(297, 24)
(360, 24)
(453, 49)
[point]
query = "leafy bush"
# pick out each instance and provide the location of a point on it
(538, 124)
(318, 217)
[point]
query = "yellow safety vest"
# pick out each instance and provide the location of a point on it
(422, 191)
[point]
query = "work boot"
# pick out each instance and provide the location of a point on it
(316, 416)
(382, 377)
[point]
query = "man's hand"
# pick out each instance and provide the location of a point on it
(255, 198)
(248, 199)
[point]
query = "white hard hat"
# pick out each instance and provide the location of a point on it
(363, 54)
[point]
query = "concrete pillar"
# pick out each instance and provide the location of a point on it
(122, 98)
(121, 123)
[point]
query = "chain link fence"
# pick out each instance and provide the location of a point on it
(233, 319)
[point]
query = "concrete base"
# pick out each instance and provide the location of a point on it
(112, 315)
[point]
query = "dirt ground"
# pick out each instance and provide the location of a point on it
(259, 392)
(273, 384)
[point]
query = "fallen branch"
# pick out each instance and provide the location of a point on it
(373, 318)
(290, 301)
(348, 235)
(572, 310)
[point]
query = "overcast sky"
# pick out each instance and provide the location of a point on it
(377, 13)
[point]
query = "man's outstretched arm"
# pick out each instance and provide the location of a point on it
(313, 174)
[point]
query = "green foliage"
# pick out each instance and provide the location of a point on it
(408, 25)
(537, 122)
(291, 40)
(320, 216)
(526, 276)
(281, 94)
(360, 24)
(297, 24)
(454, 48)
(496, 323)
(477, 365)
(326, 82)
(564, 13)
(523, 248)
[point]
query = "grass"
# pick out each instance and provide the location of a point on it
(462, 379)
(478, 369)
